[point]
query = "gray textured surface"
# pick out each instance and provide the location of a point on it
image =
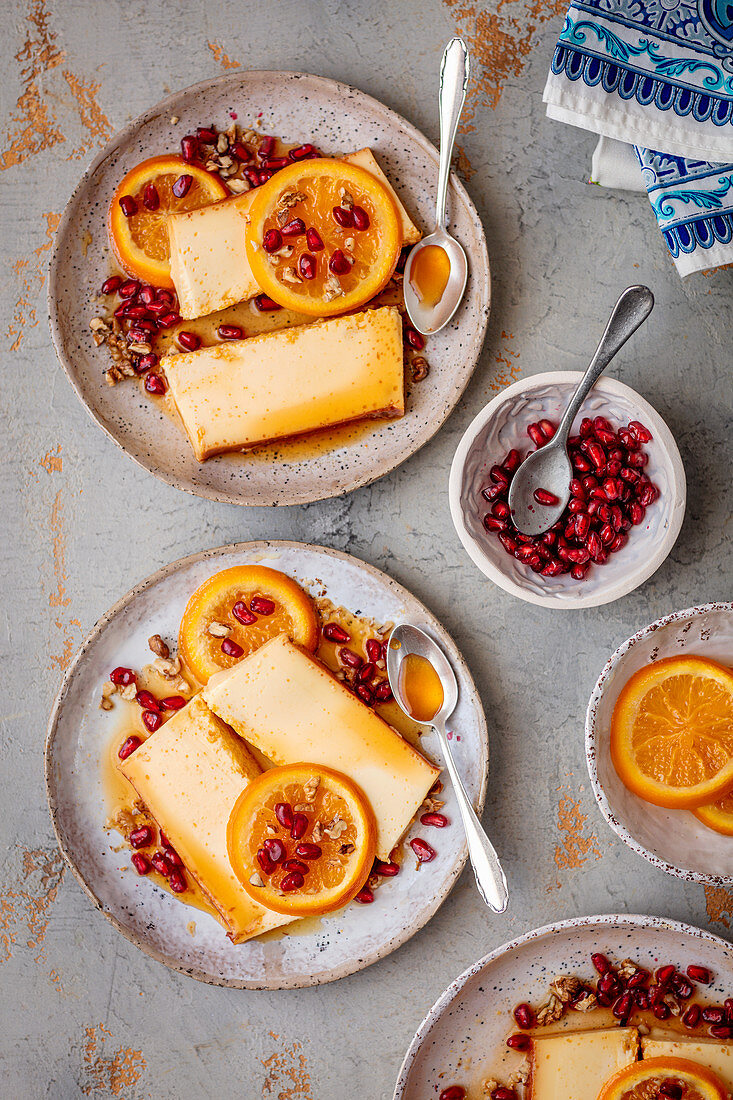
(83, 1012)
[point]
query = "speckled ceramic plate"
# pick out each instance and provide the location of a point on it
(673, 840)
(297, 107)
(461, 1041)
(155, 920)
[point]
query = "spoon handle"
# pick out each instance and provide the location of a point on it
(454, 71)
(490, 877)
(630, 311)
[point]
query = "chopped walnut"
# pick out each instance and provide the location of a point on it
(317, 832)
(672, 1003)
(373, 881)
(419, 368)
(169, 669)
(303, 807)
(488, 1086)
(237, 186)
(336, 828)
(520, 1076)
(222, 143)
(175, 120)
(290, 275)
(347, 200)
(105, 703)
(128, 693)
(310, 787)
(553, 1010)
(346, 849)
(219, 630)
(566, 988)
(256, 880)
(157, 646)
(289, 199)
(628, 968)
(113, 376)
(586, 1003)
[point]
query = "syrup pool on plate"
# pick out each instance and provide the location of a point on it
(429, 274)
(420, 687)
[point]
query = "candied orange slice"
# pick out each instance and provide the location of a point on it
(140, 241)
(640, 1080)
(238, 610)
(323, 237)
(717, 815)
(302, 839)
(672, 732)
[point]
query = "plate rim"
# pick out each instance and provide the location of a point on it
(636, 920)
(255, 546)
(686, 874)
(336, 87)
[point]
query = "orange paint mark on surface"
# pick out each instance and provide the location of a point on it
(52, 461)
(500, 45)
(59, 597)
(95, 124)
(287, 1072)
(32, 126)
(719, 904)
(113, 1073)
(31, 274)
(219, 55)
(24, 907)
(575, 848)
(463, 164)
(508, 369)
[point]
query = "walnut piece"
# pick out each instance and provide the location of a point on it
(219, 630)
(566, 988)
(553, 1010)
(157, 646)
(586, 1003)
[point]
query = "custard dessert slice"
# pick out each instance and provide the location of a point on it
(574, 1065)
(290, 707)
(189, 774)
(707, 1052)
(244, 392)
(208, 261)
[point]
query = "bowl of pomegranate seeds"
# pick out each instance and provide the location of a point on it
(691, 844)
(627, 495)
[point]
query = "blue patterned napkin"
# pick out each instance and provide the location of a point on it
(659, 74)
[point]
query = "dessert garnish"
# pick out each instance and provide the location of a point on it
(665, 1079)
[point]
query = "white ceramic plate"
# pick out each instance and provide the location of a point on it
(673, 840)
(345, 941)
(502, 425)
(463, 1035)
(296, 107)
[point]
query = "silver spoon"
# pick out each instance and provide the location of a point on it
(549, 468)
(406, 639)
(427, 319)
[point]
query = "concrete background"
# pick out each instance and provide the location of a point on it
(83, 1012)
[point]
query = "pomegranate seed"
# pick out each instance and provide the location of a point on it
(308, 851)
(160, 863)
(713, 1014)
(296, 865)
(343, 217)
(609, 983)
(173, 702)
(206, 134)
(492, 491)
(299, 826)
(261, 605)
(129, 289)
(154, 383)
(177, 881)
(661, 1011)
(189, 340)
(252, 176)
(545, 497)
(230, 332)
(231, 648)
(140, 863)
(338, 263)
(365, 896)
(275, 849)
(128, 747)
(152, 720)
(307, 266)
(582, 525)
(241, 612)
(128, 206)
(664, 974)
(383, 693)
(349, 658)
(109, 286)
(639, 977)
(641, 998)
(147, 700)
(365, 693)
(389, 870)
(189, 148)
(503, 1093)
(518, 1042)
(168, 320)
(648, 495)
(373, 649)
(586, 427)
(284, 814)
(172, 856)
(272, 240)
(142, 837)
(525, 1017)
(265, 304)
(453, 1092)
(575, 505)
(293, 228)
(606, 437)
(728, 1006)
(313, 240)
(580, 463)
(301, 152)
(721, 1031)
(691, 1018)
(547, 428)
(292, 881)
(491, 523)
(670, 1090)
(122, 677)
(182, 186)
(577, 489)
(500, 509)
(361, 218)
(266, 146)
(366, 672)
(605, 1000)
(267, 864)
(639, 432)
(699, 974)
(607, 534)
(422, 850)
(601, 963)
(276, 163)
(439, 821)
(622, 1007)
(151, 198)
(535, 434)
(335, 633)
(499, 475)
(596, 454)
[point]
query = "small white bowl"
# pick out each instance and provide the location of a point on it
(673, 840)
(502, 425)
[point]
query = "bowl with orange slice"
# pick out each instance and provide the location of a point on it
(659, 743)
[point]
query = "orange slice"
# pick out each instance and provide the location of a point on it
(640, 1080)
(672, 732)
(302, 839)
(140, 242)
(238, 610)
(717, 815)
(300, 254)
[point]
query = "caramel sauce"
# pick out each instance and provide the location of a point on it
(429, 274)
(420, 687)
